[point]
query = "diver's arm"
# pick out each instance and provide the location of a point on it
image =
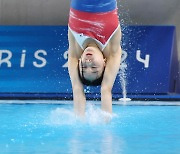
(77, 87)
(112, 68)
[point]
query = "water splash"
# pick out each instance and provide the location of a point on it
(123, 77)
(61, 116)
(96, 116)
(93, 116)
(125, 20)
(123, 81)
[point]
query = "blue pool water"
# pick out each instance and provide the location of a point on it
(53, 128)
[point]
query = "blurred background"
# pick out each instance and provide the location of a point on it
(55, 12)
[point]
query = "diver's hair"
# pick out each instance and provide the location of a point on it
(86, 82)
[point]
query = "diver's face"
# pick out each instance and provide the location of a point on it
(92, 63)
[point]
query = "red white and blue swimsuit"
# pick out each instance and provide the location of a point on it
(93, 20)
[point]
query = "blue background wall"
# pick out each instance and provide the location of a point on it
(33, 60)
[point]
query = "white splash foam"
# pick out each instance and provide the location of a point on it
(61, 116)
(125, 99)
(93, 116)
(123, 80)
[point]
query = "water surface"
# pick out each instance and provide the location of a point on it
(53, 128)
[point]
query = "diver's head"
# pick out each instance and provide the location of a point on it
(91, 66)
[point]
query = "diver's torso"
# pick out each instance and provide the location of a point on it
(93, 21)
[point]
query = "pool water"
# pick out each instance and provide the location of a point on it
(53, 128)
